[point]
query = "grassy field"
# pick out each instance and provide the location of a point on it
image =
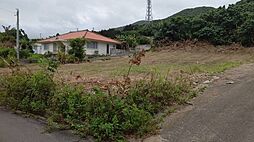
(163, 62)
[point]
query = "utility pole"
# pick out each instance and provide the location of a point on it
(17, 38)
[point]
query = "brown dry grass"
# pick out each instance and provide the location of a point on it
(185, 57)
(163, 62)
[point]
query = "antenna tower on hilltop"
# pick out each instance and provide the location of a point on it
(149, 14)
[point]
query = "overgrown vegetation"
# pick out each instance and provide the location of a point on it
(131, 109)
(77, 48)
(8, 43)
(221, 26)
(28, 92)
(8, 39)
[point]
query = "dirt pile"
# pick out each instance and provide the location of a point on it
(194, 46)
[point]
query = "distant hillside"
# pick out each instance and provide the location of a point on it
(193, 11)
(138, 23)
(142, 22)
(224, 25)
(186, 12)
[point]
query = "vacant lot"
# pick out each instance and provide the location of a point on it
(193, 61)
(163, 62)
(120, 108)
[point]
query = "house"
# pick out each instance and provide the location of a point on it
(96, 44)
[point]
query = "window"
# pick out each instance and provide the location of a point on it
(92, 45)
(54, 47)
(46, 47)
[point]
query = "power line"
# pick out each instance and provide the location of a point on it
(7, 10)
(2, 18)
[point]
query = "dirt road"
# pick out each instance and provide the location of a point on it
(224, 113)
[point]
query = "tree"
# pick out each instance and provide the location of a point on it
(77, 46)
(8, 38)
(130, 40)
(246, 33)
(221, 26)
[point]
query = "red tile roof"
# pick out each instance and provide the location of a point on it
(80, 34)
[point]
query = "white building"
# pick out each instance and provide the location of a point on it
(96, 44)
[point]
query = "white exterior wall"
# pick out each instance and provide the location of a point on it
(102, 48)
(37, 48)
(40, 48)
(90, 51)
(50, 48)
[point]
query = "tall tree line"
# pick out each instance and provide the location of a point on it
(221, 26)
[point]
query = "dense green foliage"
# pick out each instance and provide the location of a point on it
(103, 116)
(8, 38)
(8, 43)
(77, 50)
(9, 54)
(34, 58)
(221, 26)
(96, 113)
(5, 52)
(28, 92)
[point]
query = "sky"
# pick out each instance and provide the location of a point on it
(48, 17)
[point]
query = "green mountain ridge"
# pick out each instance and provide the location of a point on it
(186, 12)
(193, 11)
(219, 26)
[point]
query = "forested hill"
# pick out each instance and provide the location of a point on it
(186, 12)
(224, 25)
(193, 11)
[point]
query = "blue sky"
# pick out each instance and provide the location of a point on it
(49, 17)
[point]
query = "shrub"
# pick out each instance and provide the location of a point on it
(5, 52)
(61, 57)
(35, 58)
(72, 59)
(28, 92)
(10, 52)
(77, 48)
(110, 118)
(24, 53)
(49, 65)
(103, 116)
(143, 40)
(155, 95)
(66, 58)
(132, 110)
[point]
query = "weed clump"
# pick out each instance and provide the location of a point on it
(132, 110)
(113, 117)
(156, 95)
(28, 92)
(98, 114)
